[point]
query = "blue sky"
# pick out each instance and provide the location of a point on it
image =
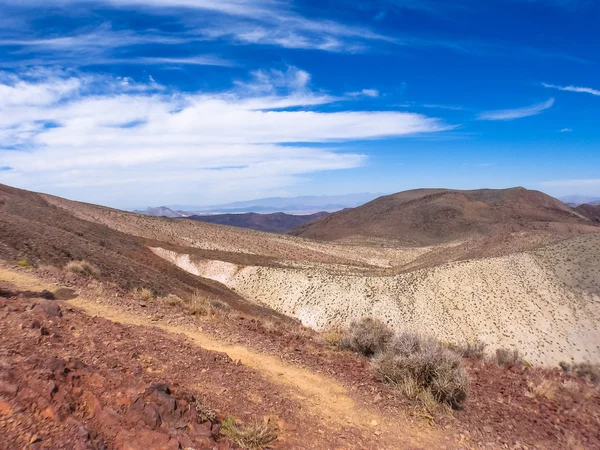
(145, 102)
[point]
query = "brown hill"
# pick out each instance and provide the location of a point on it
(273, 223)
(433, 216)
(592, 212)
(34, 231)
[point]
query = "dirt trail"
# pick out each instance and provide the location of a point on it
(327, 400)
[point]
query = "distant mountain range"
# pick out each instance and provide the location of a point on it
(288, 205)
(274, 223)
(162, 211)
(576, 200)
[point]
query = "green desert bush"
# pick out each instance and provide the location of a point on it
(420, 366)
(256, 436)
(368, 336)
(82, 268)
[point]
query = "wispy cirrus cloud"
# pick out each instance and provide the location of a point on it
(90, 137)
(266, 22)
(448, 107)
(585, 90)
(517, 113)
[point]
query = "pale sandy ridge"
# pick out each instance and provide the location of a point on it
(514, 301)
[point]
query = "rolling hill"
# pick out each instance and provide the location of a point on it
(591, 211)
(437, 216)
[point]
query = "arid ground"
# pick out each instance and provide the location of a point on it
(120, 357)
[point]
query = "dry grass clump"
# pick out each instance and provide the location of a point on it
(333, 337)
(144, 294)
(422, 367)
(82, 268)
(545, 389)
(505, 357)
(254, 436)
(199, 305)
(367, 336)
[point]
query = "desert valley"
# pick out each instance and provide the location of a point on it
(121, 330)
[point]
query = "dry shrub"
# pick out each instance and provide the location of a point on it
(367, 336)
(546, 389)
(83, 268)
(471, 350)
(172, 300)
(221, 309)
(333, 337)
(199, 305)
(420, 366)
(505, 357)
(143, 294)
(204, 413)
(585, 370)
(254, 436)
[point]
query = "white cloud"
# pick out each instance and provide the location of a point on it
(373, 93)
(58, 134)
(566, 130)
(511, 114)
(585, 90)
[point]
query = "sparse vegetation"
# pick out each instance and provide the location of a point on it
(144, 294)
(221, 306)
(505, 357)
(83, 268)
(420, 366)
(333, 337)
(367, 336)
(172, 300)
(545, 389)
(25, 263)
(585, 370)
(470, 350)
(199, 305)
(254, 436)
(204, 412)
